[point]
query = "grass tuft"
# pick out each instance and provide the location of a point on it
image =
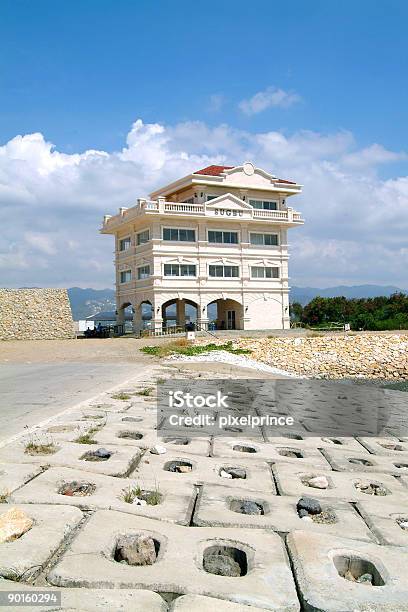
(152, 498)
(182, 347)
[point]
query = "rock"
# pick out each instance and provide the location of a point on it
(307, 519)
(302, 513)
(225, 474)
(365, 579)
(139, 502)
(157, 449)
(312, 506)
(183, 469)
(319, 482)
(221, 565)
(136, 550)
(13, 524)
(102, 453)
(403, 524)
(250, 507)
(237, 472)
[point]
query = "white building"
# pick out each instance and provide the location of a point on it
(211, 247)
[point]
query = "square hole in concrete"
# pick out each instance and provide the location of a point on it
(332, 441)
(177, 441)
(360, 461)
(227, 561)
(370, 487)
(293, 453)
(130, 435)
(178, 466)
(77, 488)
(243, 448)
(136, 549)
(357, 569)
(232, 472)
(101, 454)
(247, 506)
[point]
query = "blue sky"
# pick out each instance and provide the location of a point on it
(80, 73)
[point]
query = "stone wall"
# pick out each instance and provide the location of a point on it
(35, 314)
(383, 356)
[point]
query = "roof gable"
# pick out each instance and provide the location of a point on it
(228, 200)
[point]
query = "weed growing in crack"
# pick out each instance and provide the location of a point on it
(3, 496)
(146, 391)
(121, 396)
(40, 444)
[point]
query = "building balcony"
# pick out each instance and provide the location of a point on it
(160, 207)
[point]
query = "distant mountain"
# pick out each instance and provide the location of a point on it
(306, 294)
(88, 302)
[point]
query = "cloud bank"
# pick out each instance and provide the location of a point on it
(52, 203)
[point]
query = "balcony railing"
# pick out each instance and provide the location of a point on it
(160, 206)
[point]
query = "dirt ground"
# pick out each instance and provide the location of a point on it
(94, 350)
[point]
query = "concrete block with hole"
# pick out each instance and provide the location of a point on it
(346, 486)
(219, 506)
(129, 433)
(91, 600)
(351, 461)
(183, 467)
(387, 447)
(120, 462)
(338, 574)
(262, 575)
(200, 603)
(24, 557)
(96, 491)
(287, 453)
(314, 442)
(67, 430)
(126, 434)
(14, 475)
(388, 522)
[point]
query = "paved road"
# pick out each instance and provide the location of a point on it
(30, 393)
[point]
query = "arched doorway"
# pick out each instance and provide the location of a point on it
(145, 315)
(124, 316)
(225, 314)
(178, 312)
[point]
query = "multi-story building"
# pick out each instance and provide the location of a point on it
(211, 247)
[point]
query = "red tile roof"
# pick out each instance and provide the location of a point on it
(213, 170)
(217, 170)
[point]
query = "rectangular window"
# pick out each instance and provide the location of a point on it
(264, 204)
(223, 237)
(143, 272)
(223, 271)
(126, 276)
(124, 244)
(211, 197)
(179, 270)
(261, 272)
(143, 237)
(179, 235)
(264, 239)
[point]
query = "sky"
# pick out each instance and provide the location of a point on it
(102, 101)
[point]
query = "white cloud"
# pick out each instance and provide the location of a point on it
(51, 203)
(268, 98)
